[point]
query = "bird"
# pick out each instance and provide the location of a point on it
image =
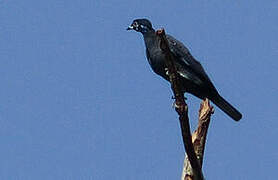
(192, 76)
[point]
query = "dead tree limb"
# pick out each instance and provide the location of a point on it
(181, 106)
(199, 139)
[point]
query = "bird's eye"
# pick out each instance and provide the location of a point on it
(135, 24)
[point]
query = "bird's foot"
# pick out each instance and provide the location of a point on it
(173, 97)
(174, 105)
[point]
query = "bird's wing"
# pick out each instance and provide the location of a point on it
(188, 66)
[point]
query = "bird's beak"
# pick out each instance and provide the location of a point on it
(130, 28)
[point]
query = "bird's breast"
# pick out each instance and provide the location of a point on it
(157, 61)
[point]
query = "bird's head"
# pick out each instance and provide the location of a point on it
(141, 25)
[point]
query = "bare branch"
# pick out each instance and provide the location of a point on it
(199, 138)
(181, 106)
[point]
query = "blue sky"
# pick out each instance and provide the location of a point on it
(78, 99)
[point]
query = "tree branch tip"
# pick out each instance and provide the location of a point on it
(160, 31)
(205, 105)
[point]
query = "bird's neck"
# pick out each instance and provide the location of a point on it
(151, 40)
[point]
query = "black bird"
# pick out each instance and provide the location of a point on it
(190, 71)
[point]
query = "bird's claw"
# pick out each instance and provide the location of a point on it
(173, 97)
(174, 105)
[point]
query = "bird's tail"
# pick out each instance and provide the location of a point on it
(227, 107)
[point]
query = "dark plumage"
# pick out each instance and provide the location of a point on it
(191, 72)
